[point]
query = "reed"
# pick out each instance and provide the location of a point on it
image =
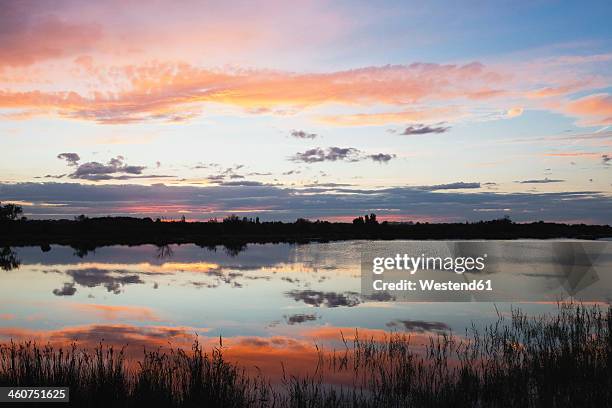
(556, 360)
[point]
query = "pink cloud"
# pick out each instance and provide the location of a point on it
(27, 37)
(92, 62)
(593, 109)
(125, 32)
(117, 312)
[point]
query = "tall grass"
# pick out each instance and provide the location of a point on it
(102, 377)
(557, 360)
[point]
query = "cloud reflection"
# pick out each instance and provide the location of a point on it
(418, 326)
(113, 281)
(325, 299)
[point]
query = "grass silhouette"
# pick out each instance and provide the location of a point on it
(554, 360)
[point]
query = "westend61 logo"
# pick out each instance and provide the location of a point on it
(413, 264)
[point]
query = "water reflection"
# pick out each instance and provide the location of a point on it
(164, 252)
(269, 302)
(8, 259)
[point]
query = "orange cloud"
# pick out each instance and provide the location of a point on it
(335, 333)
(514, 112)
(147, 268)
(274, 355)
(265, 353)
(594, 110)
(175, 92)
(165, 91)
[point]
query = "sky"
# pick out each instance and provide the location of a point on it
(418, 111)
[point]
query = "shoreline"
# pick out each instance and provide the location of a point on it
(95, 232)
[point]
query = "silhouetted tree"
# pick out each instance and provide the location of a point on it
(231, 219)
(372, 219)
(358, 221)
(367, 219)
(10, 211)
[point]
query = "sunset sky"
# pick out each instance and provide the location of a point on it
(423, 111)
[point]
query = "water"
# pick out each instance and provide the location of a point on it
(266, 303)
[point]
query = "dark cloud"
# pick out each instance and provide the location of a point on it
(282, 203)
(216, 178)
(605, 159)
(205, 166)
(67, 290)
(300, 318)
(380, 297)
(136, 336)
(381, 157)
(227, 173)
(300, 134)
(114, 169)
(421, 129)
(71, 158)
(209, 285)
(419, 325)
(330, 154)
(326, 299)
(268, 342)
(451, 186)
(540, 181)
(255, 342)
(255, 173)
(333, 154)
(99, 171)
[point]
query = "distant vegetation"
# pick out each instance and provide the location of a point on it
(561, 360)
(9, 212)
(233, 231)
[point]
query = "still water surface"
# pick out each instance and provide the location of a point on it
(268, 302)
